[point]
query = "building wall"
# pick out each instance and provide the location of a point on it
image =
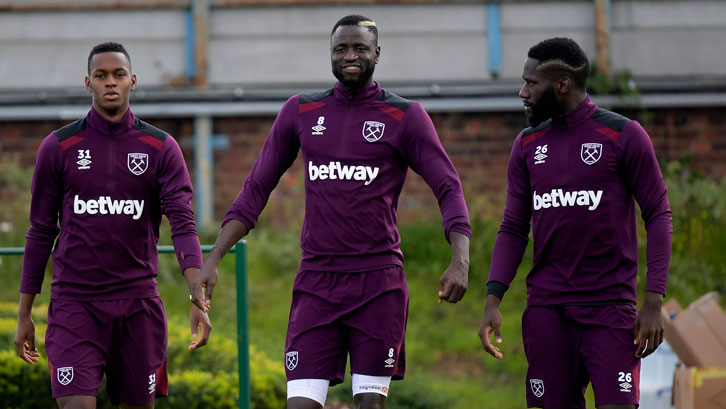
(430, 42)
(478, 144)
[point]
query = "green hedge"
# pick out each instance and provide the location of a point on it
(198, 379)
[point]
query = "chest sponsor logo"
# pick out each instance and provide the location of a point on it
(319, 128)
(559, 198)
(291, 360)
(334, 170)
(373, 130)
(137, 163)
(106, 205)
(537, 387)
(590, 152)
(84, 159)
(64, 375)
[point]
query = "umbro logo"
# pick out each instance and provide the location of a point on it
(319, 128)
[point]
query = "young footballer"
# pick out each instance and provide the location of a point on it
(100, 187)
(576, 175)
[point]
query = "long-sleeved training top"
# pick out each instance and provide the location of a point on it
(576, 177)
(109, 184)
(357, 147)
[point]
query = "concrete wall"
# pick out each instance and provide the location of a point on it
(420, 42)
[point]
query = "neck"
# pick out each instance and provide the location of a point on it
(114, 114)
(574, 100)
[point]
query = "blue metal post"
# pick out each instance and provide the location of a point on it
(494, 39)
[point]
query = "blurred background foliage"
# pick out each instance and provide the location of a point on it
(447, 367)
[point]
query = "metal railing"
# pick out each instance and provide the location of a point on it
(243, 341)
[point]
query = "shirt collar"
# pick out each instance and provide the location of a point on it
(106, 127)
(357, 95)
(576, 116)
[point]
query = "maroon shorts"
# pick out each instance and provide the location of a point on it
(568, 347)
(125, 340)
(335, 314)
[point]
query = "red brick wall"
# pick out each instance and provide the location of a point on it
(478, 144)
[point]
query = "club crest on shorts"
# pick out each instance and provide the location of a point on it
(373, 130)
(590, 152)
(137, 163)
(291, 360)
(65, 375)
(537, 387)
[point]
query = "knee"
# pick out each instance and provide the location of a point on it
(369, 401)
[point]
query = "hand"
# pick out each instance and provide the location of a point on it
(203, 284)
(453, 283)
(25, 339)
(491, 323)
(199, 319)
(649, 325)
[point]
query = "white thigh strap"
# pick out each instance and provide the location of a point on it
(315, 389)
(371, 384)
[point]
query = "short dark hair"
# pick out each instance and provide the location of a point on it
(360, 21)
(564, 57)
(109, 47)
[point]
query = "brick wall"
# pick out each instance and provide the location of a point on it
(478, 144)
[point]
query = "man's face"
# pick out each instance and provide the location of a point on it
(354, 55)
(110, 82)
(538, 94)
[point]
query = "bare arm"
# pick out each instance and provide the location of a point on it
(454, 281)
(25, 333)
(202, 286)
(649, 325)
(491, 323)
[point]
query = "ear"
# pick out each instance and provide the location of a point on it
(378, 53)
(563, 85)
(88, 85)
(133, 82)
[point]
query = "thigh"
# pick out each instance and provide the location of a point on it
(555, 376)
(315, 345)
(377, 327)
(137, 370)
(609, 355)
(77, 341)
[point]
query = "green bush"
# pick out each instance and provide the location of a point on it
(199, 379)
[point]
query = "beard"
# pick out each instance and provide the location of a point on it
(546, 108)
(366, 73)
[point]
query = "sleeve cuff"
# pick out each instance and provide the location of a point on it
(497, 289)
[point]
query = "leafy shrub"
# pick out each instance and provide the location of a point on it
(200, 379)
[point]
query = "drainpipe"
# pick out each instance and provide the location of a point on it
(196, 67)
(602, 35)
(494, 39)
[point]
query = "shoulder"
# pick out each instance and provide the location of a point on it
(398, 107)
(610, 119)
(151, 134)
(150, 130)
(313, 97)
(393, 100)
(533, 133)
(70, 130)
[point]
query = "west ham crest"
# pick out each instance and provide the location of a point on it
(373, 130)
(137, 163)
(291, 360)
(65, 375)
(591, 152)
(537, 387)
